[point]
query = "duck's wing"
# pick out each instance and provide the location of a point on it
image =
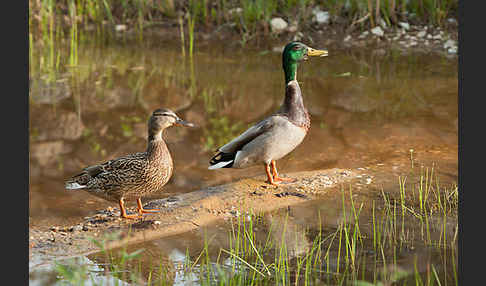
(250, 134)
(120, 164)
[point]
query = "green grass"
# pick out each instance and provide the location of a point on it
(253, 19)
(358, 250)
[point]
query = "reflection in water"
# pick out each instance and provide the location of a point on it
(315, 233)
(363, 109)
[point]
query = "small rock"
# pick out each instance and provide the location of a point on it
(278, 25)
(404, 25)
(377, 31)
(120, 28)
(347, 38)
(452, 20)
(412, 43)
(421, 34)
(437, 37)
(450, 44)
(76, 228)
(321, 17)
(235, 11)
(452, 50)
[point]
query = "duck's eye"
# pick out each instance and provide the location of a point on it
(296, 48)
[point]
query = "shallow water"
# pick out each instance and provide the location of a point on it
(366, 110)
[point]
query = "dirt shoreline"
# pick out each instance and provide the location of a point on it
(407, 38)
(184, 212)
(190, 211)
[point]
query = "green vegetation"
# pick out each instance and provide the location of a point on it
(383, 247)
(252, 17)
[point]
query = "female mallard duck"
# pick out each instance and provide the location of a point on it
(135, 175)
(277, 135)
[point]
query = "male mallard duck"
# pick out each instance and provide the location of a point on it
(135, 175)
(277, 135)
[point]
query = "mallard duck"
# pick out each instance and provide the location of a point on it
(135, 175)
(277, 135)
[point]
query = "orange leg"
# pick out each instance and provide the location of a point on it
(275, 174)
(269, 176)
(141, 210)
(123, 211)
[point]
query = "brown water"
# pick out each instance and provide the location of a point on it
(366, 111)
(363, 108)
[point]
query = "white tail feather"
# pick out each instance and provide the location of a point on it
(74, 186)
(219, 165)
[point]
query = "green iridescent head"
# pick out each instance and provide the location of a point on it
(295, 52)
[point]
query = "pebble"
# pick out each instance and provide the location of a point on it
(347, 38)
(120, 28)
(450, 44)
(452, 50)
(404, 25)
(321, 17)
(437, 37)
(377, 31)
(452, 20)
(236, 11)
(421, 34)
(278, 24)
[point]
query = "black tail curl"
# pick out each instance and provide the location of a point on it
(223, 157)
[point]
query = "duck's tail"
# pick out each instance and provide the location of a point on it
(222, 160)
(78, 182)
(74, 186)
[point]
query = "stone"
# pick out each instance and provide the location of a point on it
(278, 24)
(120, 28)
(452, 20)
(421, 34)
(377, 31)
(347, 38)
(235, 11)
(321, 17)
(404, 25)
(450, 44)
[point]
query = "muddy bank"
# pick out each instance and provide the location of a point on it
(190, 211)
(185, 212)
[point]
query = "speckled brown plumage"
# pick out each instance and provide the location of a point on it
(135, 175)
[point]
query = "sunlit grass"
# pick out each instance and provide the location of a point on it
(357, 250)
